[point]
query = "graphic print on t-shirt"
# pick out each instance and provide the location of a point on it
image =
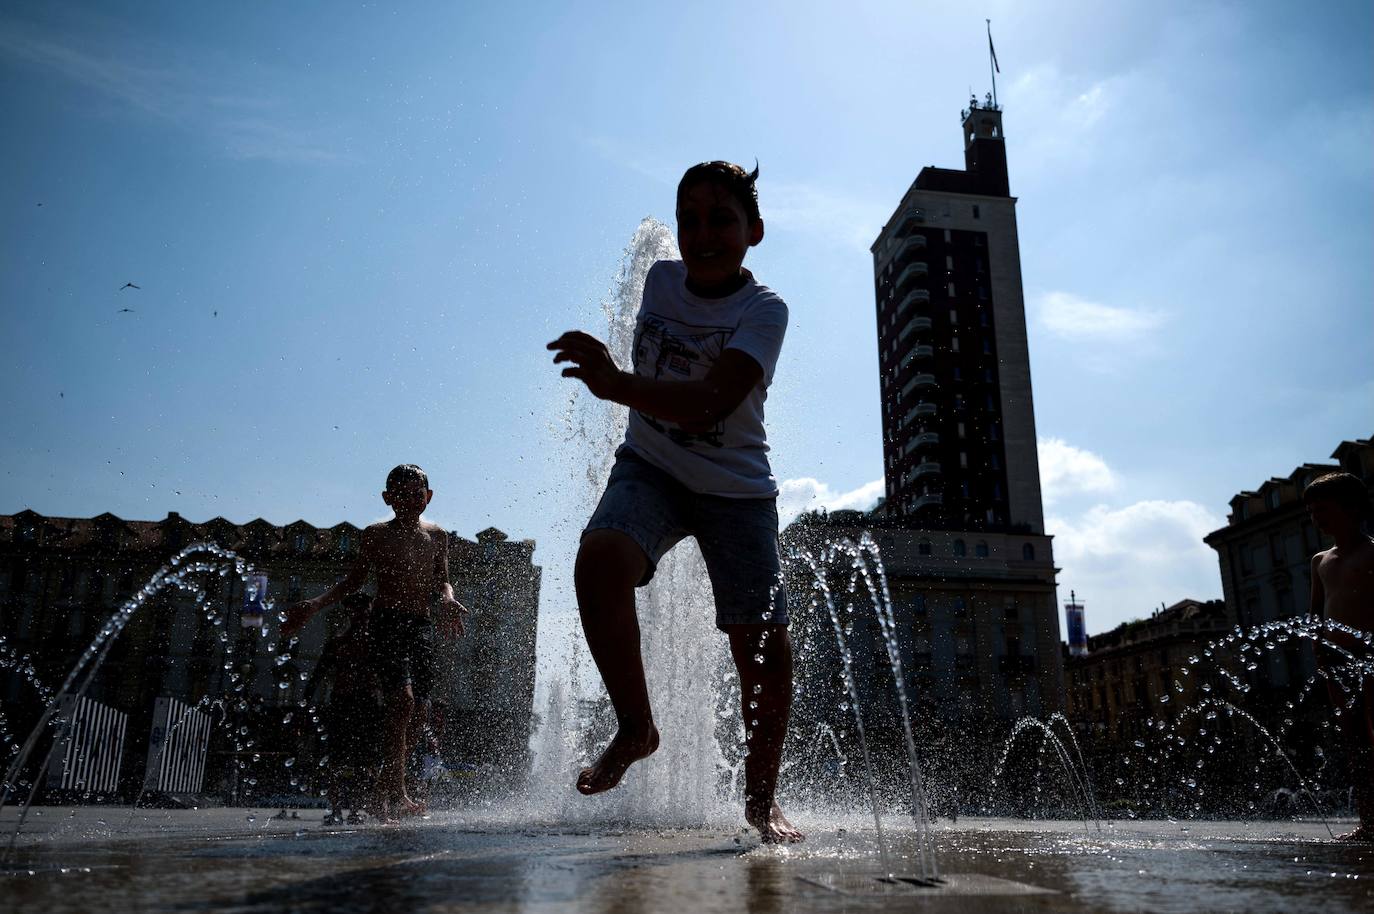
(666, 348)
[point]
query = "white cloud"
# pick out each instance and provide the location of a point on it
(1066, 470)
(1123, 562)
(808, 494)
(1074, 318)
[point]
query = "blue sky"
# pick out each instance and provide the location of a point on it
(392, 211)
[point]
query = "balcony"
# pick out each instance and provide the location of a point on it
(926, 409)
(912, 244)
(912, 217)
(928, 468)
(912, 298)
(923, 352)
(913, 271)
(919, 382)
(915, 325)
(926, 439)
(926, 500)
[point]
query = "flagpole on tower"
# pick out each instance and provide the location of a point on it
(993, 68)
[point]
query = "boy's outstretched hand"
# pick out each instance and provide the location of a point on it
(592, 363)
(297, 616)
(451, 614)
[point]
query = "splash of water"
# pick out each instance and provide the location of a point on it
(186, 571)
(682, 650)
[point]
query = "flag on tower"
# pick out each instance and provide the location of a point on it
(991, 49)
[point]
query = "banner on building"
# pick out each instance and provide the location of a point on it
(177, 747)
(254, 600)
(90, 746)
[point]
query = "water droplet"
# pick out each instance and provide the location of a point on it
(289, 762)
(758, 658)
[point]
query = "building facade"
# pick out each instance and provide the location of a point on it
(1117, 686)
(62, 578)
(1265, 553)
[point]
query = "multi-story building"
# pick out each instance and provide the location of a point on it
(959, 449)
(62, 578)
(1117, 686)
(961, 530)
(1265, 552)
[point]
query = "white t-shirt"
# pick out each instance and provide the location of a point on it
(679, 336)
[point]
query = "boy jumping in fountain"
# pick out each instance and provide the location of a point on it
(410, 559)
(694, 463)
(1343, 591)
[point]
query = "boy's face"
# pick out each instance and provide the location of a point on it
(714, 233)
(1329, 516)
(408, 499)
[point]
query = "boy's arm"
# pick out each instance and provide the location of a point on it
(451, 612)
(700, 403)
(300, 613)
(1317, 606)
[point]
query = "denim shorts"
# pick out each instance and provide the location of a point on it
(738, 537)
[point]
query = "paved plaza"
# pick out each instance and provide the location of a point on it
(102, 858)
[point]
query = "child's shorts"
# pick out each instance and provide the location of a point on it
(402, 651)
(738, 537)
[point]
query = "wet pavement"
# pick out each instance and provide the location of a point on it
(96, 858)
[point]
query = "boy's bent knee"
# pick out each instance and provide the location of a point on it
(609, 559)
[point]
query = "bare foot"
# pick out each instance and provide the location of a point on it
(1362, 833)
(772, 825)
(625, 749)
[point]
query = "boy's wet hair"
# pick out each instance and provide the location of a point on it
(406, 472)
(739, 183)
(1345, 489)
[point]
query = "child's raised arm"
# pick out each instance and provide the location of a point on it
(300, 613)
(700, 403)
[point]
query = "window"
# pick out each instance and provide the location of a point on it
(1274, 498)
(981, 550)
(960, 605)
(987, 375)
(963, 489)
(947, 236)
(989, 403)
(923, 548)
(953, 315)
(960, 550)
(975, 211)
(978, 240)
(987, 346)
(982, 293)
(949, 261)
(958, 373)
(1011, 611)
(919, 604)
(978, 264)
(993, 432)
(982, 318)
(1028, 553)
(961, 430)
(997, 491)
(958, 402)
(954, 344)
(951, 290)
(300, 542)
(995, 462)
(343, 542)
(963, 459)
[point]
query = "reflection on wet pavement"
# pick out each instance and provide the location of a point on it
(215, 860)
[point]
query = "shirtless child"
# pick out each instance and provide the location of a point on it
(1343, 591)
(409, 556)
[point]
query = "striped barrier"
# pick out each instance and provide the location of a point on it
(177, 747)
(90, 746)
